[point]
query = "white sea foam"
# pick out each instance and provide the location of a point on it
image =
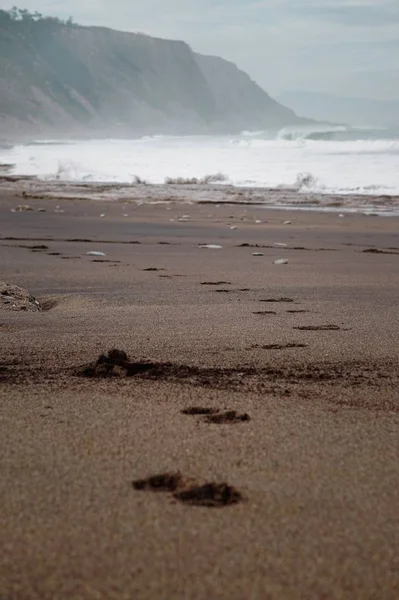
(319, 159)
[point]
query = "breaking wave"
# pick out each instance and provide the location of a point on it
(337, 133)
(317, 159)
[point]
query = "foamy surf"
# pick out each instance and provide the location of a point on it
(322, 161)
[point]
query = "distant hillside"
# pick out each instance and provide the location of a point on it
(352, 111)
(60, 78)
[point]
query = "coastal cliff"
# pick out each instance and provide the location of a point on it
(60, 78)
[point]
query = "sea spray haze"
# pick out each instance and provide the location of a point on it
(323, 160)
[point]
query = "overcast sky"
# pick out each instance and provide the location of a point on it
(349, 47)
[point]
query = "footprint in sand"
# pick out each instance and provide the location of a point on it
(230, 417)
(214, 415)
(165, 482)
(199, 410)
(210, 495)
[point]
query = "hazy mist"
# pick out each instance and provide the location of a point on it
(345, 47)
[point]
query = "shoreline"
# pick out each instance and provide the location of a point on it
(29, 187)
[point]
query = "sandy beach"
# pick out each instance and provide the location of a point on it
(307, 351)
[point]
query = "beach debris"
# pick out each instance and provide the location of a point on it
(376, 251)
(257, 254)
(41, 210)
(282, 299)
(102, 216)
(281, 261)
(215, 282)
(287, 223)
(125, 215)
(341, 216)
(233, 227)
(39, 248)
(210, 495)
(211, 246)
(280, 245)
(22, 208)
(277, 346)
(15, 298)
(113, 364)
(230, 417)
(95, 253)
(318, 328)
(164, 482)
(258, 221)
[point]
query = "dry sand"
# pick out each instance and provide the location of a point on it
(307, 351)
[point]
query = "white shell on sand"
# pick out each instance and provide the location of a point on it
(281, 261)
(95, 253)
(211, 246)
(287, 223)
(280, 245)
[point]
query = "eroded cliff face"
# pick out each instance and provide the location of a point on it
(240, 102)
(66, 79)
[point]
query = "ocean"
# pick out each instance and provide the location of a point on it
(321, 160)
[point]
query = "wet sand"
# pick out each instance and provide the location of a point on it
(307, 351)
